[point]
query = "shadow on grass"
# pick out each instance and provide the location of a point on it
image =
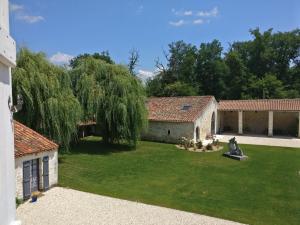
(95, 146)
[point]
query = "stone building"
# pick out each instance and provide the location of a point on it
(36, 161)
(171, 118)
(197, 117)
(263, 117)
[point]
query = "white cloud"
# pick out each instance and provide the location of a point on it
(144, 75)
(21, 14)
(198, 22)
(188, 13)
(177, 23)
(15, 7)
(211, 13)
(61, 58)
(192, 17)
(30, 19)
(182, 13)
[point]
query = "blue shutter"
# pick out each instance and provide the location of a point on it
(34, 175)
(46, 173)
(26, 179)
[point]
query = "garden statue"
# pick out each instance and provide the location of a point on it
(234, 150)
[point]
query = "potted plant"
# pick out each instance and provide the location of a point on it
(34, 196)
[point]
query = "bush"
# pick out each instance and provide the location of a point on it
(216, 142)
(209, 147)
(186, 143)
(18, 202)
(199, 145)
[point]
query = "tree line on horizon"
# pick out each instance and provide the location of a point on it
(268, 66)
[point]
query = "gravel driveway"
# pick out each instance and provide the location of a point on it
(62, 206)
(291, 142)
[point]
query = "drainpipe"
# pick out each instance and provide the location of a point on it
(7, 160)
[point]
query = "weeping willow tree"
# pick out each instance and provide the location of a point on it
(114, 98)
(50, 106)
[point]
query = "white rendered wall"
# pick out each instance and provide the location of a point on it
(53, 170)
(7, 172)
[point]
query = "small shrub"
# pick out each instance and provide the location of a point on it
(18, 201)
(209, 147)
(195, 147)
(199, 144)
(192, 143)
(216, 142)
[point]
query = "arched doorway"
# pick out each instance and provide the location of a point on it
(197, 134)
(213, 124)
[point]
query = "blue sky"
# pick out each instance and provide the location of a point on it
(66, 28)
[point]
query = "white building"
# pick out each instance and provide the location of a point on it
(171, 118)
(36, 162)
(7, 172)
(198, 117)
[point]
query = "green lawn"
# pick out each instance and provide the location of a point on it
(265, 189)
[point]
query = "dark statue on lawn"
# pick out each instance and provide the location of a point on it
(234, 150)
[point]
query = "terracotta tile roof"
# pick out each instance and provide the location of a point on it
(177, 109)
(27, 141)
(260, 105)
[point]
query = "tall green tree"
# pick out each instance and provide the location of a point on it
(211, 69)
(112, 96)
(179, 89)
(181, 62)
(49, 104)
(104, 56)
(236, 79)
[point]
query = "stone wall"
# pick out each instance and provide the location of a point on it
(53, 170)
(228, 121)
(255, 122)
(204, 122)
(170, 132)
(285, 123)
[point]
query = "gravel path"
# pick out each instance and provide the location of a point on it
(62, 206)
(262, 140)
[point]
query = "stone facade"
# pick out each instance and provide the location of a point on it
(191, 117)
(204, 122)
(53, 170)
(255, 122)
(285, 123)
(228, 121)
(172, 132)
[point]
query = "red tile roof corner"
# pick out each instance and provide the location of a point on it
(28, 141)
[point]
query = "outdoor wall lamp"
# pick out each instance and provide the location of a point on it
(18, 107)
